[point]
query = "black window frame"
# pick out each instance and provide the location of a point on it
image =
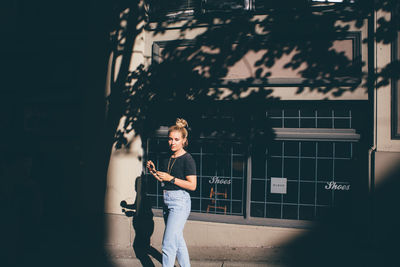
(349, 135)
(353, 79)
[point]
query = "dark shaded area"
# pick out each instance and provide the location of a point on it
(386, 219)
(52, 175)
(348, 238)
(56, 140)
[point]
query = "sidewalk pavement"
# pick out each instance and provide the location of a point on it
(125, 257)
(361, 257)
(134, 262)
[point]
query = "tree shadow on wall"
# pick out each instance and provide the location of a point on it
(195, 78)
(239, 56)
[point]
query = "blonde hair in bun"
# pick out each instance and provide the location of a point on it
(180, 126)
(181, 123)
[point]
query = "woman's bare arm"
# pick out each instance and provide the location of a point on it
(189, 184)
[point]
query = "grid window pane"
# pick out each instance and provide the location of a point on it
(308, 149)
(325, 149)
(220, 174)
(275, 167)
(276, 198)
(291, 169)
(204, 186)
(325, 169)
(274, 211)
(341, 124)
(307, 169)
(237, 189)
(258, 190)
(291, 149)
(257, 209)
(307, 213)
(209, 165)
(343, 170)
(291, 112)
(308, 123)
(324, 196)
(307, 113)
(316, 174)
(258, 167)
(307, 193)
(291, 123)
(276, 123)
(324, 123)
(324, 112)
(238, 166)
(343, 150)
(273, 113)
(237, 208)
(290, 212)
(292, 195)
(224, 168)
(338, 118)
(343, 113)
(196, 205)
(275, 148)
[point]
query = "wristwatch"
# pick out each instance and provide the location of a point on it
(172, 181)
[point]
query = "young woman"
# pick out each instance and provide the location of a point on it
(178, 176)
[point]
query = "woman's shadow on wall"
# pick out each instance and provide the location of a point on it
(143, 224)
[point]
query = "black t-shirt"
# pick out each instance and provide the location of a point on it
(182, 166)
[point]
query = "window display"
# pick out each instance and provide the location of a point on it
(305, 170)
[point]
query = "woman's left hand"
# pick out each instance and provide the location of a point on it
(164, 176)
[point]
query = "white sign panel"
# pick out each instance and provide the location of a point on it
(278, 185)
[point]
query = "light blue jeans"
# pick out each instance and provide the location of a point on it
(176, 211)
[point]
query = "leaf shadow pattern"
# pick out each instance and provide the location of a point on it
(199, 71)
(191, 79)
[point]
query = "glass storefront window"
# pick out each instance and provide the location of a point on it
(311, 118)
(317, 174)
(301, 174)
(221, 173)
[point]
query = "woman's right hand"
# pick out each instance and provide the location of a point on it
(150, 165)
(152, 169)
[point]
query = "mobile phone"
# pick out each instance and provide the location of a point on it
(153, 169)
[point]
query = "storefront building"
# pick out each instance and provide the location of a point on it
(276, 167)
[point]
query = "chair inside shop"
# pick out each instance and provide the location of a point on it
(213, 196)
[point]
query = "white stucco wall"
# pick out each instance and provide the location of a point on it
(124, 167)
(383, 103)
(283, 93)
(125, 164)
